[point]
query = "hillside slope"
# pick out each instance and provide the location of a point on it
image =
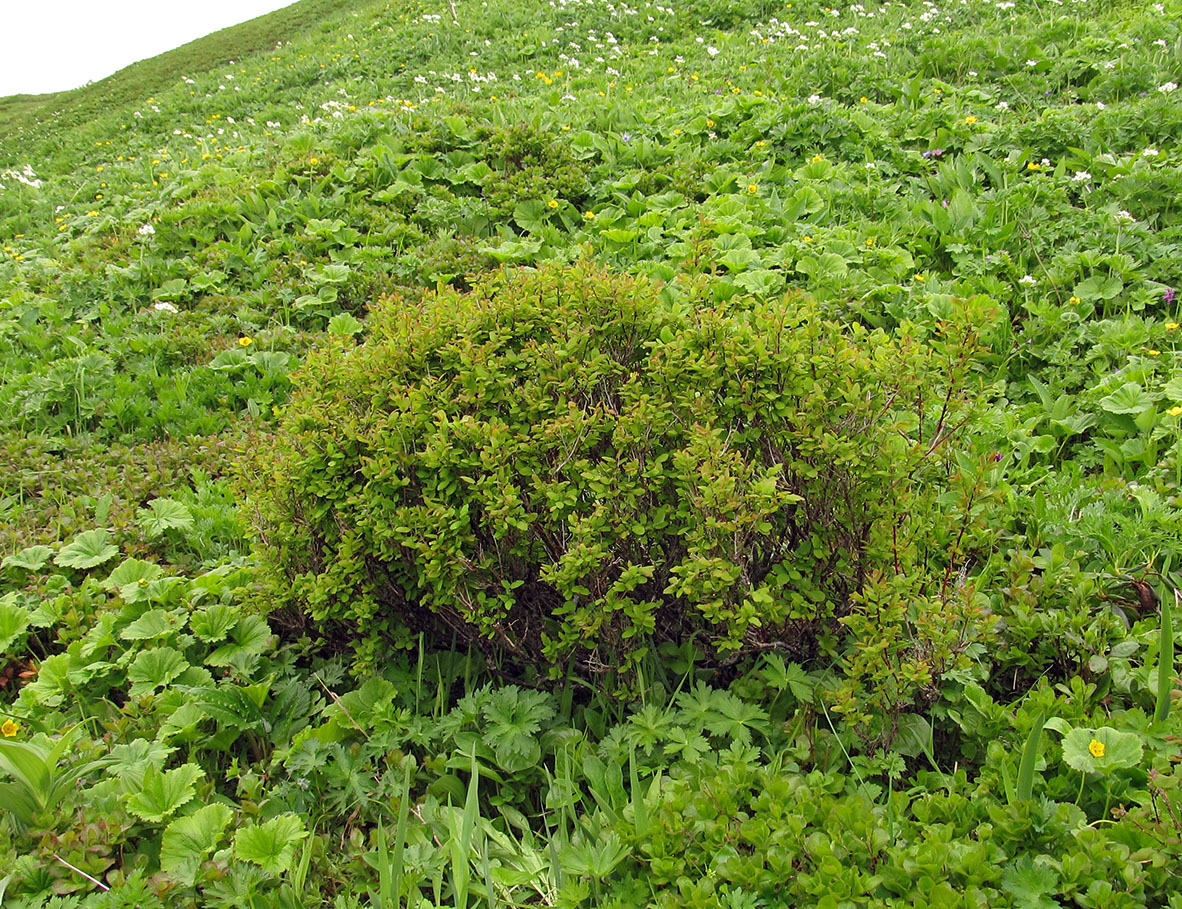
(176, 239)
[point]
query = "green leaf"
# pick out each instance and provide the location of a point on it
(513, 718)
(132, 571)
(530, 215)
(161, 794)
(214, 623)
(271, 846)
(1129, 398)
(1030, 883)
(164, 514)
(251, 637)
(14, 620)
(129, 762)
(1101, 750)
(31, 558)
(154, 623)
(1165, 662)
(344, 325)
(1097, 287)
(88, 549)
(188, 841)
(1025, 786)
(154, 669)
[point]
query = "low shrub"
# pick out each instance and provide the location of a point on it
(565, 469)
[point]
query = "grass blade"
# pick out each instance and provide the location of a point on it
(1025, 788)
(1165, 661)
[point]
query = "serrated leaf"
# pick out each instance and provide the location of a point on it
(154, 668)
(14, 621)
(129, 762)
(1030, 883)
(344, 325)
(154, 623)
(165, 514)
(31, 558)
(250, 637)
(188, 841)
(132, 571)
(271, 846)
(1101, 750)
(214, 623)
(230, 705)
(161, 794)
(88, 549)
(1129, 398)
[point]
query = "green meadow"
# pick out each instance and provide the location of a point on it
(582, 454)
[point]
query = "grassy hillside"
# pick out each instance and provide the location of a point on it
(986, 719)
(35, 124)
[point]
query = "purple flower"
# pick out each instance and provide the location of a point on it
(626, 137)
(1168, 296)
(933, 153)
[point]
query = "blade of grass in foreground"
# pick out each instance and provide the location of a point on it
(1025, 788)
(1165, 661)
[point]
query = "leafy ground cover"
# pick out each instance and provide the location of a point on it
(179, 240)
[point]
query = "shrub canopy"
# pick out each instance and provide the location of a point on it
(565, 468)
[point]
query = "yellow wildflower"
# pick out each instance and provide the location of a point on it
(1033, 165)
(553, 203)
(245, 341)
(589, 215)
(970, 120)
(1096, 748)
(9, 728)
(1175, 411)
(1074, 301)
(1171, 326)
(752, 188)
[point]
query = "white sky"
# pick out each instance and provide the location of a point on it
(53, 45)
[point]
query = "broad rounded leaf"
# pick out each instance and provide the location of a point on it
(188, 841)
(132, 571)
(14, 619)
(161, 794)
(1129, 398)
(154, 669)
(251, 637)
(1101, 750)
(165, 514)
(31, 558)
(271, 846)
(87, 550)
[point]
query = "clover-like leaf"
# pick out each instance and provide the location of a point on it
(271, 846)
(88, 549)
